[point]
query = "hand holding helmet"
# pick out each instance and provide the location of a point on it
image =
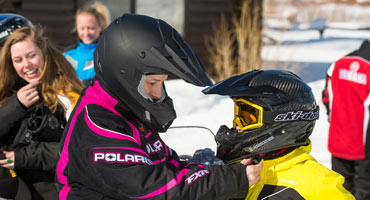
(253, 170)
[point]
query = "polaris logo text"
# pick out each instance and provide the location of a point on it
(118, 157)
(196, 175)
(299, 115)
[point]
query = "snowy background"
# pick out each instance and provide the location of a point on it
(301, 51)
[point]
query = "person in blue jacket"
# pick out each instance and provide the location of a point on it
(91, 20)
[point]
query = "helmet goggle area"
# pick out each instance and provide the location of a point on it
(249, 116)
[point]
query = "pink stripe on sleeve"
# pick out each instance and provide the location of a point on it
(149, 134)
(176, 163)
(172, 183)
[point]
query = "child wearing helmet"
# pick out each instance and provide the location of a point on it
(111, 148)
(275, 113)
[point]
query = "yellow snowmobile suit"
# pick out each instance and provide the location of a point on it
(298, 175)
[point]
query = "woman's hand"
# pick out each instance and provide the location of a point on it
(253, 171)
(28, 94)
(8, 162)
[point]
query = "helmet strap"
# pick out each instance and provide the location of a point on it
(279, 153)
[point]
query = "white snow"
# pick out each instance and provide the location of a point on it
(306, 45)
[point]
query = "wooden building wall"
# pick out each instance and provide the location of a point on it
(55, 16)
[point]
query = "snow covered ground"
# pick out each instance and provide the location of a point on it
(306, 45)
(195, 109)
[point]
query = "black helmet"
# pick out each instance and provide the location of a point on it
(9, 22)
(136, 45)
(274, 108)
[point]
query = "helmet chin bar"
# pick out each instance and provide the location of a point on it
(233, 146)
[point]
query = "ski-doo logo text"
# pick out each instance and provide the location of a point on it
(118, 157)
(155, 147)
(299, 115)
(196, 175)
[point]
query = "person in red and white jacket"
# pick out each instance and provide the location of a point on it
(347, 99)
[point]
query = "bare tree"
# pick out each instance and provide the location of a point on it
(248, 31)
(237, 49)
(220, 48)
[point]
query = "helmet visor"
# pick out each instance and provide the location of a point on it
(248, 115)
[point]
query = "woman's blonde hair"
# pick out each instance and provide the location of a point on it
(99, 11)
(57, 76)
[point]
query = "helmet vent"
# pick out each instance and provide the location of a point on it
(142, 54)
